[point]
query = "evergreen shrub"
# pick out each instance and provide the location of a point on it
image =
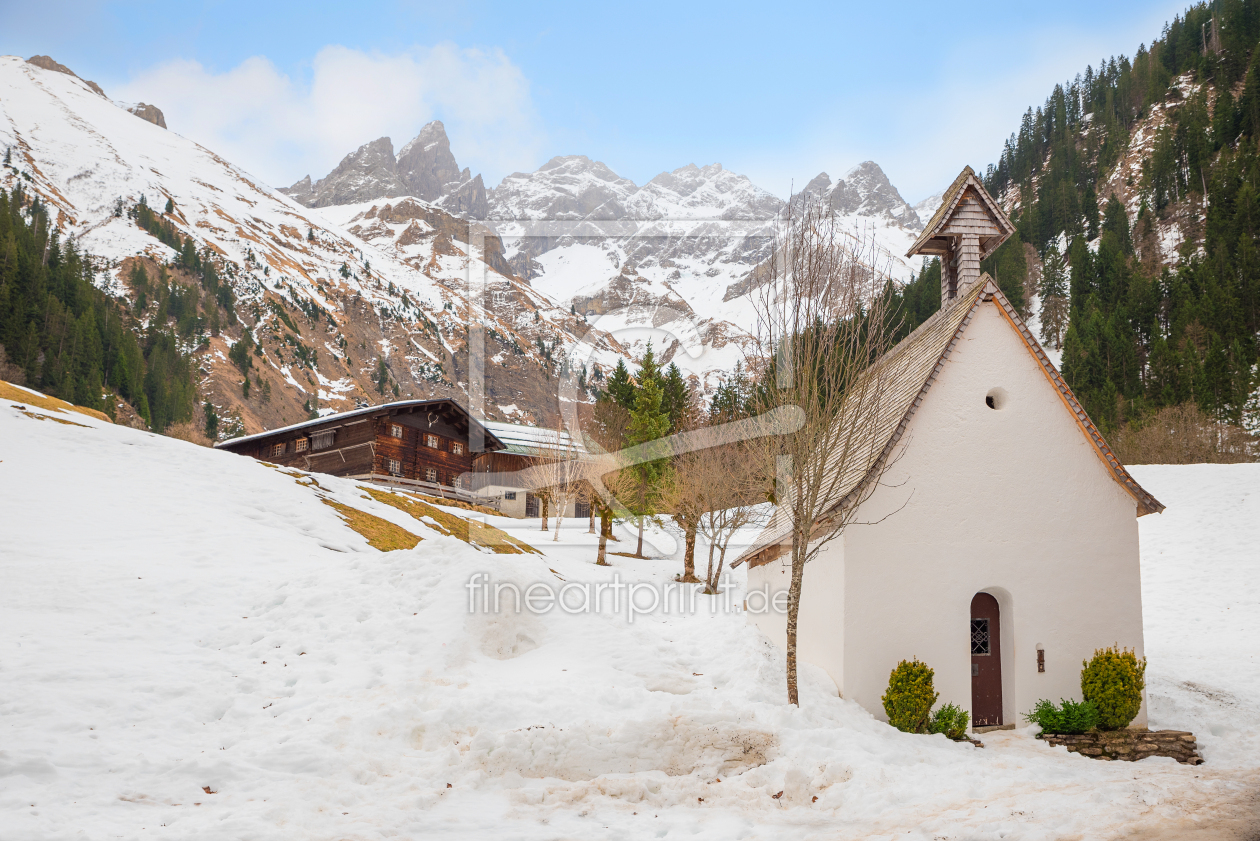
(1113, 680)
(909, 699)
(1070, 718)
(951, 720)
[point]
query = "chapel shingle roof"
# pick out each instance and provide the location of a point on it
(948, 202)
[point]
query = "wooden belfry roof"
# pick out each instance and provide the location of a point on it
(966, 196)
(916, 363)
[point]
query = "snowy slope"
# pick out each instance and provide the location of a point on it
(208, 622)
(87, 157)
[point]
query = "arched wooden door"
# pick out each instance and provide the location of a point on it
(986, 661)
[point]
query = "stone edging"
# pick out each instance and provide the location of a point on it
(1131, 745)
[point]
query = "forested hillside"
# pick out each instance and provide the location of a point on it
(1136, 183)
(61, 334)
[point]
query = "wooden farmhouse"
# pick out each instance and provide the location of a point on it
(1001, 545)
(424, 444)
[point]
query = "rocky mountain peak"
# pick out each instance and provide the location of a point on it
(867, 191)
(424, 168)
(149, 113)
(47, 63)
(567, 187)
(819, 186)
(366, 173)
(427, 166)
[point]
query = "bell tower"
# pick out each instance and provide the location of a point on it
(967, 227)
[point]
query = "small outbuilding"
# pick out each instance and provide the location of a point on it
(525, 447)
(1001, 547)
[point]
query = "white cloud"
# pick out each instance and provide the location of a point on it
(280, 129)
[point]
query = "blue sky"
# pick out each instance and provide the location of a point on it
(778, 92)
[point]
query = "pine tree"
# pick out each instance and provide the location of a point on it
(1090, 207)
(382, 375)
(648, 425)
(676, 399)
(170, 206)
(621, 388)
(1054, 298)
(212, 421)
(648, 367)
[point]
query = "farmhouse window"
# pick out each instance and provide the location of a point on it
(323, 440)
(457, 482)
(301, 445)
(277, 450)
(431, 441)
(457, 448)
(979, 636)
(395, 431)
(509, 494)
(581, 509)
(395, 467)
(430, 474)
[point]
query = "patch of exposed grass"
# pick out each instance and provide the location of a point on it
(8, 391)
(306, 480)
(456, 503)
(380, 534)
(51, 418)
(469, 531)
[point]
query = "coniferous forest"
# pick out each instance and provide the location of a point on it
(63, 336)
(1142, 336)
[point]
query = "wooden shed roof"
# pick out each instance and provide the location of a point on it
(534, 441)
(444, 405)
(916, 363)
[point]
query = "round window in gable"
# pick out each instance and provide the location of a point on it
(996, 398)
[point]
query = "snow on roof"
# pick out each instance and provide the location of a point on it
(522, 440)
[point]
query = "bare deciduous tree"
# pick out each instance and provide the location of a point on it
(737, 485)
(823, 318)
(606, 433)
(560, 470)
(687, 496)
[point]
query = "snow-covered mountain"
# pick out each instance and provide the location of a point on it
(668, 261)
(671, 259)
(323, 302)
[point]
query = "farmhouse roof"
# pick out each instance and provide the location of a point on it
(915, 363)
(492, 442)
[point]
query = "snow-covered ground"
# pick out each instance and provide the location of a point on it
(196, 646)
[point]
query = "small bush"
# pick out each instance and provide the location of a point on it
(951, 720)
(1114, 681)
(1070, 718)
(909, 699)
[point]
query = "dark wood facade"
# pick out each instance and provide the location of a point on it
(419, 440)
